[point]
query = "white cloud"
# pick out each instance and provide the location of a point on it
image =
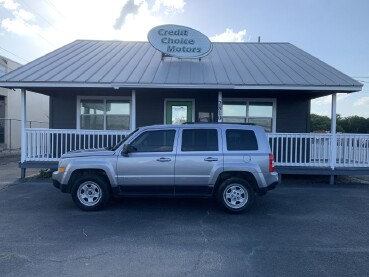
(363, 101)
(9, 4)
(18, 26)
(170, 6)
(21, 13)
(229, 36)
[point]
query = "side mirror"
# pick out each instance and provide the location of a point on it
(127, 148)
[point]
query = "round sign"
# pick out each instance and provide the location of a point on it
(179, 41)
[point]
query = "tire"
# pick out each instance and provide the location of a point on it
(90, 192)
(235, 195)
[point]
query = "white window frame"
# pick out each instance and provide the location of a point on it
(248, 100)
(105, 98)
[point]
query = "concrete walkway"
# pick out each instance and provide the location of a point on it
(10, 172)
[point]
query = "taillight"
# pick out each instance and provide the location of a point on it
(271, 163)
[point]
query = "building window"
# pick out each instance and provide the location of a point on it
(104, 114)
(249, 111)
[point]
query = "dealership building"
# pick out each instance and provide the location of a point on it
(177, 76)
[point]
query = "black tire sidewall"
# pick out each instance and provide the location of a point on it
(245, 185)
(105, 192)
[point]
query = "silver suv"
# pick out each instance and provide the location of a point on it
(231, 162)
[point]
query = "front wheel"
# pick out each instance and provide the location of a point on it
(235, 195)
(90, 193)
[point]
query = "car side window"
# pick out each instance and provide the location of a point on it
(154, 141)
(199, 140)
(241, 140)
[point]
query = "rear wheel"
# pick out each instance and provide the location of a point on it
(90, 192)
(235, 195)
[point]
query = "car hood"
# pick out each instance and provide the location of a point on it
(88, 153)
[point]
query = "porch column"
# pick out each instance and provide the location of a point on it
(220, 106)
(23, 131)
(23, 125)
(133, 112)
(333, 134)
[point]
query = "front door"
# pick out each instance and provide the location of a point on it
(178, 112)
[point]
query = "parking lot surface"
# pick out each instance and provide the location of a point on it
(299, 229)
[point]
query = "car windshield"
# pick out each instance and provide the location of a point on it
(115, 147)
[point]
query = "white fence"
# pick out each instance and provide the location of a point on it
(300, 150)
(316, 150)
(50, 144)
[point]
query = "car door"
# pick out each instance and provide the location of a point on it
(150, 168)
(199, 156)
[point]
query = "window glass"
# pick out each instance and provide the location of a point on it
(117, 115)
(179, 114)
(100, 114)
(241, 140)
(259, 113)
(155, 141)
(92, 114)
(200, 140)
(234, 109)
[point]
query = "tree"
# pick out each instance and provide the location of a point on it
(320, 123)
(355, 124)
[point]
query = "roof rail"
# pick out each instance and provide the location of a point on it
(235, 123)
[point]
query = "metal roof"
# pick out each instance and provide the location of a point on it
(89, 63)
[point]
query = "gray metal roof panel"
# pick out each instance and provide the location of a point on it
(229, 64)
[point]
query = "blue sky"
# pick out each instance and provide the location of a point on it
(335, 31)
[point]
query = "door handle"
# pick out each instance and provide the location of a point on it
(211, 159)
(164, 160)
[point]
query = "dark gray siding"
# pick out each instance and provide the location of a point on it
(293, 110)
(63, 111)
(293, 114)
(150, 104)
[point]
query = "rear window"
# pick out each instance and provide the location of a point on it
(241, 140)
(200, 140)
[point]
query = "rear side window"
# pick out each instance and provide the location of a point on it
(241, 140)
(200, 140)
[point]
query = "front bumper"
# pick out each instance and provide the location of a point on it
(57, 178)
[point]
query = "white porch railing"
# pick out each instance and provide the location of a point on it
(50, 144)
(299, 150)
(315, 150)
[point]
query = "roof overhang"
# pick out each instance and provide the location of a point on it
(33, 85)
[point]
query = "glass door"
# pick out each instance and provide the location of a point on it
(178, 112)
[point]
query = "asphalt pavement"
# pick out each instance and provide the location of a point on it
(305, 227)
